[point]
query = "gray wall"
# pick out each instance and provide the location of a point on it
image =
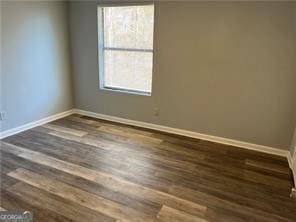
(293, 144)
(35, 72)
(224, 69)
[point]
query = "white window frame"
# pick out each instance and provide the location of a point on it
(101, 48)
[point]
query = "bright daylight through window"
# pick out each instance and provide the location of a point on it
(126, 47)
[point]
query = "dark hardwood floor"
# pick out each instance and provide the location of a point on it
(82, 169)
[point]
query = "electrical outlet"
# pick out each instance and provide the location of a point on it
(2, 116)
(156, 111)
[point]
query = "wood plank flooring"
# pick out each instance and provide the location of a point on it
(84, 169)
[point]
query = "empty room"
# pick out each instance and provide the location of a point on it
(147, 111)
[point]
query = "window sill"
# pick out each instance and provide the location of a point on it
(133, 92)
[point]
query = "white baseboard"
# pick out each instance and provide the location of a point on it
(34, 124)
(226, 141)
(236, 143)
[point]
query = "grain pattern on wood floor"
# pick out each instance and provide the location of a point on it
(83, 169)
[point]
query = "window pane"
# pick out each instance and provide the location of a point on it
(129, 27)
(128, 70)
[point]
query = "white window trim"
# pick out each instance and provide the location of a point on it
(101, 47)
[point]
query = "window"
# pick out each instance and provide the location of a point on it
(126, 47)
